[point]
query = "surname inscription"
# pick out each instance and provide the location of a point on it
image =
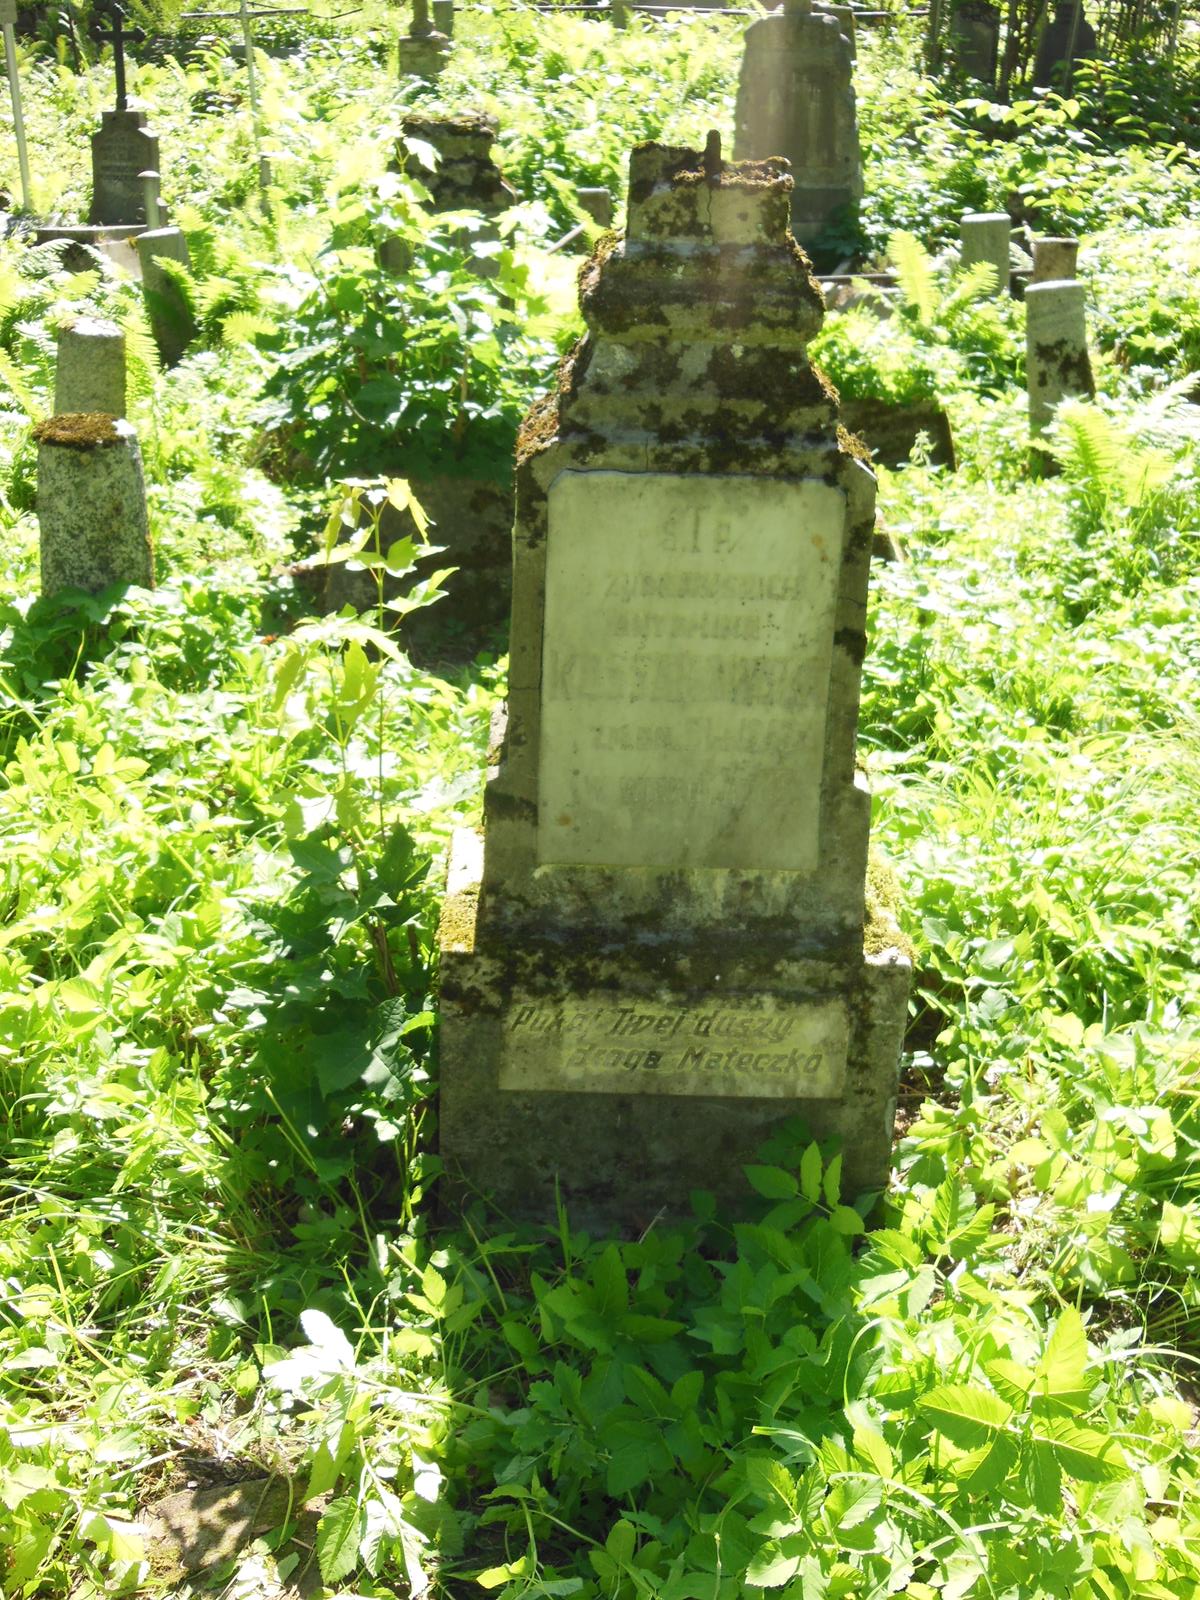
(612, 1045)
(687, 651)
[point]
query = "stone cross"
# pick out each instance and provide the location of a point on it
(8, 23)
(656, 954)
(116, 36)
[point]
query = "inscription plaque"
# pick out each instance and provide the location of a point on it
(609, 1044)
(687, 652)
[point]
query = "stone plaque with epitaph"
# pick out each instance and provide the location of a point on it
(689, 625)
(122, 149)
(664, 949)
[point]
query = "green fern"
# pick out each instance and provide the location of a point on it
(915, 274)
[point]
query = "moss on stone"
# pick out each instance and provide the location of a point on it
(456, 927)
(79, 430)
(881, 924)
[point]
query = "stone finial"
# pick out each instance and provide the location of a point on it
(90, 370)
(91, 504)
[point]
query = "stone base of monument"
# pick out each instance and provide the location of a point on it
(890, 431)
(620, 1076)
(117, 242)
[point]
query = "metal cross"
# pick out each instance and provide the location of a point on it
(117, 38)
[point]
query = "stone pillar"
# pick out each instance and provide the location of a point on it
(91, 504)
(1056, 350)
(443, 18)
(423, 50)
(167, 307)
(1054, 260)
(656, 953)
(986, 236)
(89, 373)
(796, 99)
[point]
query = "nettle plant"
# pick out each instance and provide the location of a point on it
(423, 370)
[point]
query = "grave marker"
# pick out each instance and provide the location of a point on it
(987, 236)
(168, 309)
(975, 39)
(660, 954)
(91, 504)
(1056, 350)
(1069, 37)
(1054, 260)
(89, 372)
(423, 50)
(796, 99)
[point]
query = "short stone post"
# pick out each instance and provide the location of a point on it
(1056, 352)
(598, 205)
(91, 504)
(619, 12)
(1054, 260)
(443, 17)
(171, 320)
(90, 371)
(986, 236)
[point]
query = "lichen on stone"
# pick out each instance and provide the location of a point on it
(79, 430)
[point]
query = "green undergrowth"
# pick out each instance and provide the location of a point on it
(224, 824)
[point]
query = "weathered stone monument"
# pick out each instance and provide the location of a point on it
(1069, 37)
(598, 204)
(1054, 260)
(89, 373)
(1056, 350)
(796, 99)
(91, 504)
(423, 50)
(975, 39)
(168, 309)
(987, 236)
(659, 955)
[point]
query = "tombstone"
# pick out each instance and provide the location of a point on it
(655, 954)
(598, 204)
(975, 39)
(796, 99)
(1056, 349)
(91, 504)
(465, 178)
(1068, 38)
(845, 17)
(987, 236)
(423, 50)
(1054, 260)
(168, 307)
(443, 17)
(89, 373)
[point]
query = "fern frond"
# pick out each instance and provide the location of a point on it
(11, 375)
(243, 327)
(915, 274)
(142, 364)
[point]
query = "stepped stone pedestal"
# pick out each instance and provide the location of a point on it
(661, 948)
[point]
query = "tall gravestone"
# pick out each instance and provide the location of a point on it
(1068, 37)
(796, 100)
(975, 39)
(660, 954)
(91, 504)
(1057, 363)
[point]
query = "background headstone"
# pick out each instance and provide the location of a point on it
(167, 305)
(1056, 350)
(598, 204)
(122, 149)
(987, 236)
(796, 99)
(1054, 260)
(465, 178)
(975, 39)
(443, 17)
(423, 50)
(89, 372)
(91, 504)
(1056, 58)
(661, 956)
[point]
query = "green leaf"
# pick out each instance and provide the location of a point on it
(628, 1468)
(984, 1470)
(810, 1173)
(621, 1542)
(337, 1539)
(770, 1568)
(1082, 1453)
(1060, 1375)
(968, 1415)
(773, 1183)
(496, 1577)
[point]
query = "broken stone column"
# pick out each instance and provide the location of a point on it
(91, 504)
(89, 372)
(1054, 260)
(656, 955)
(986, 236)
(796, 99)
(423, 50)
(1056, 350)
(167, 305)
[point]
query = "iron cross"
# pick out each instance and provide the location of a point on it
(117, 38)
